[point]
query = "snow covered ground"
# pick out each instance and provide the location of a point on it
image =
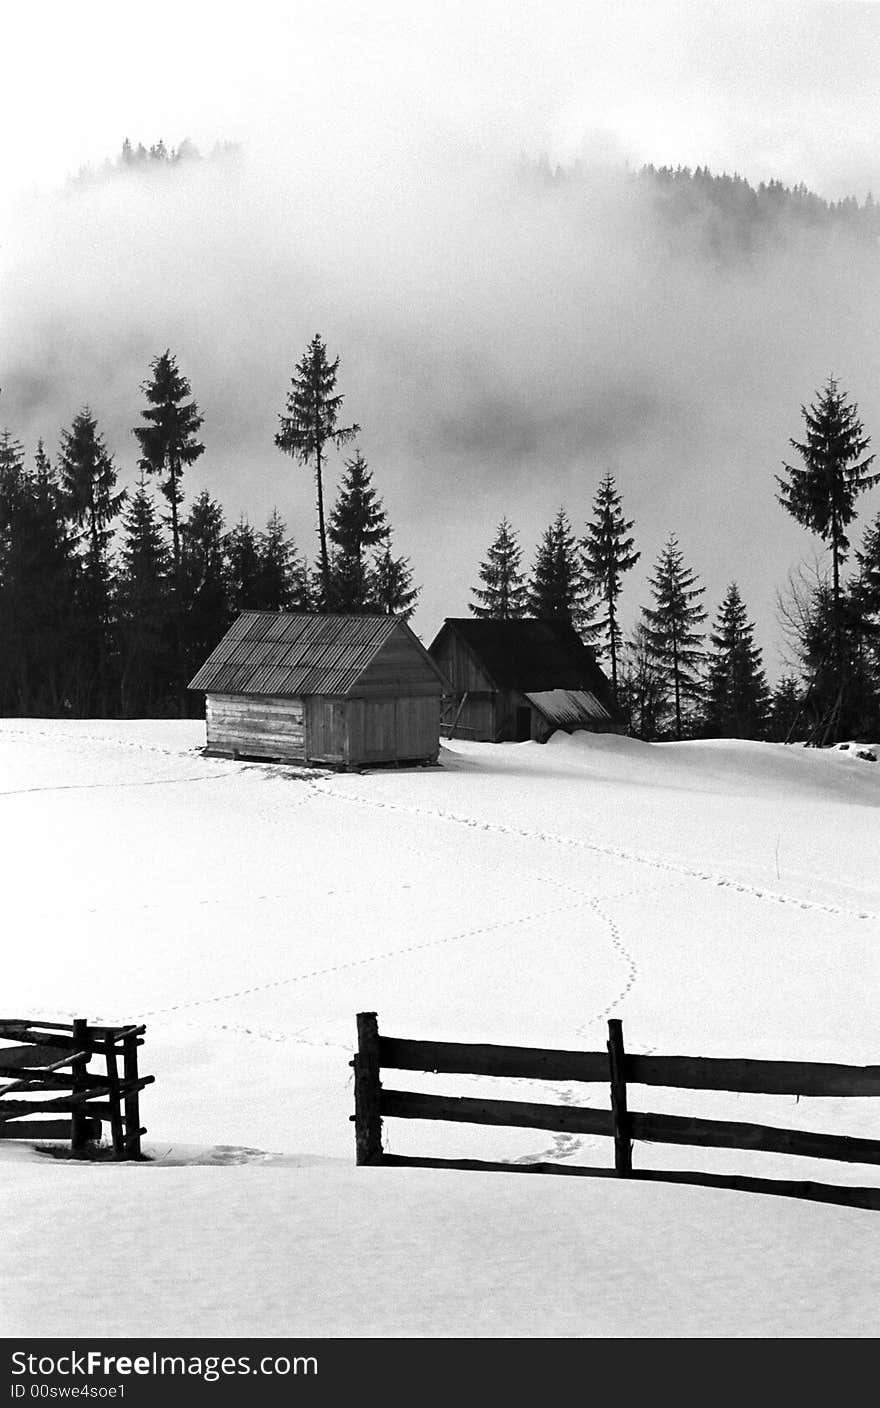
(722, 898)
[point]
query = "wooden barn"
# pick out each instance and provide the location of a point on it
(343, 690)
(519, 680)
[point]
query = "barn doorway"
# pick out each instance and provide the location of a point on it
(523, 724)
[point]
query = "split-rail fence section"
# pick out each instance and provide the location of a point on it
(619, 1070)
(48, 1072)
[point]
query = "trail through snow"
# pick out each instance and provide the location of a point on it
(721, 899)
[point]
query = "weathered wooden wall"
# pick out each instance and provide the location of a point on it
(322, 729)
(325, 729)
(399, 670)
(392, 730)
(476, 721)
(460, 667)
(263, 725)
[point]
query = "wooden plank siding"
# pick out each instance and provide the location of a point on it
(477, 718)
(393, 730)
(264, 726)
(462, 668)
(325, 730)
(321, 729)
(399, 669)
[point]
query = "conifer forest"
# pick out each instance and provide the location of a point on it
(118, 575)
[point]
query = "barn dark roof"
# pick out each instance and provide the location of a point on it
(288, 654)
(531, 656)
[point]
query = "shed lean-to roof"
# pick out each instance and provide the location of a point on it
(568, 707)
(535, 657)
(291, 654)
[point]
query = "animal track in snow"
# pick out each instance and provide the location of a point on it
(653, 862)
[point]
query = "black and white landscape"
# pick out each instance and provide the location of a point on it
(558, 251)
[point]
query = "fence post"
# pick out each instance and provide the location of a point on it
(132, 1103)
(80, 1128)
(114, 1098)
(617, 1061)
(367, 1087)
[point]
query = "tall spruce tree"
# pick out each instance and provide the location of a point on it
(283, 577)
(144, 610)
(37, 587)
(87, 479)
(243, 567)
(608, 553)
(310, 424)
(736, 698)
(206, 610)
(88, 476)
(786, 707)
(168, 440)
(357, 524)
(821, 492)
(12, 478)
(504, 594)
(393, 590)
(558, 587)
(672, 629)
(643, 691)
(865, 591)
(168, 443)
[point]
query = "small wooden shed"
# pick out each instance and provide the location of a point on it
(343, 690)
(518, 680)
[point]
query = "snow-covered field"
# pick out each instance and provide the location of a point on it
(722, 898)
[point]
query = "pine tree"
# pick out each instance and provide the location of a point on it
(785, 709)
(504, 594)
(608, 553)
(357, 523)
(672, 627)
(821, 493)
(841, 696)
(144, 610)
(736, 698)
(88, 481)
(37, 583)
(865, 591)
(206, 610)
(168, 440)
(87, 477)
(310, 424)
(643, 692)
(242, 567)
(393, 591)
(869, 570)
(12, 477)
(283, 578)
(558, 588)
(168, 443)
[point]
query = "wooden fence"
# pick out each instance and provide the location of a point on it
(46, 1065)
(618, 1070)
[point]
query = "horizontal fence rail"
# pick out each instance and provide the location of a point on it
(39, 1060)
(617, 1070)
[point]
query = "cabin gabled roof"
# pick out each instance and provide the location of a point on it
(531, 656)
(291, 654)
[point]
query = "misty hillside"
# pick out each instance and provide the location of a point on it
(722, 213)
(507, 334)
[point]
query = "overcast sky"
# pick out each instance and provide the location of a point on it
(499, 358)
(771, 89)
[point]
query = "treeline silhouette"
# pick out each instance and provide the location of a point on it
(672, 678)
(724, 214)
(109, 605)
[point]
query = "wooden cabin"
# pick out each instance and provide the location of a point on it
(519, 680)
(339, 690)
